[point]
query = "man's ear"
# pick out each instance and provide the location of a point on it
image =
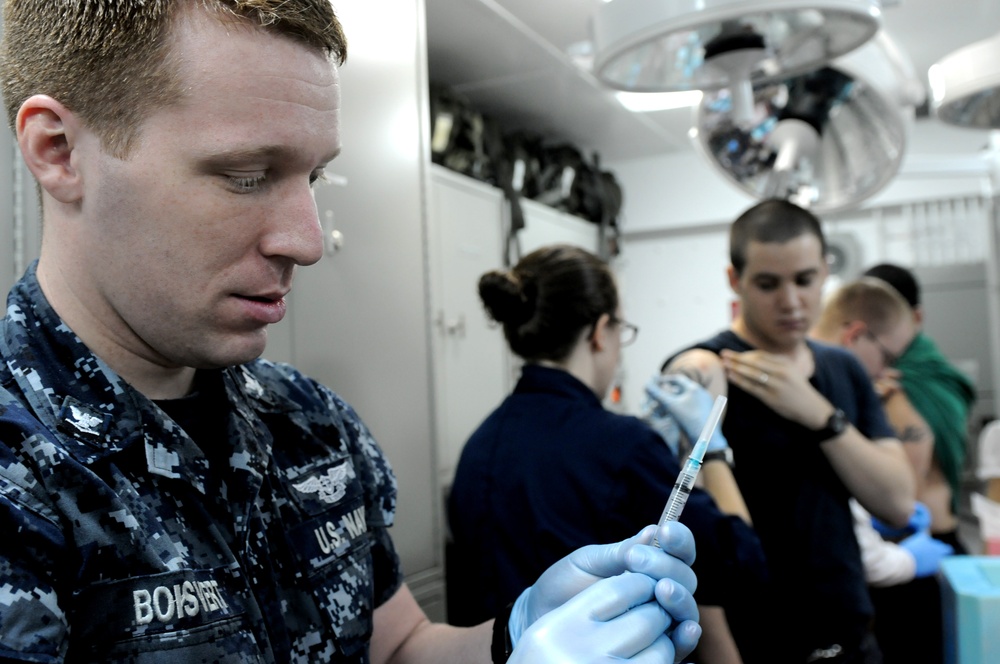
(850, 332)
(734, 279)
(599, 338)
(47, 133)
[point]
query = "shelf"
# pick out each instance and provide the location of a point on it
(515, 76)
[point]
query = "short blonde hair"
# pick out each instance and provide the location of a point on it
(870, 300)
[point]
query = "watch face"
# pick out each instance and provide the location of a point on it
(838, 422)
(834, 426)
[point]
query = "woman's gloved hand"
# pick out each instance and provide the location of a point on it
(668, 570)
(927, 551)
(676, 404)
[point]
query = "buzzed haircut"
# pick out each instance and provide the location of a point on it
(867, 299)
(110, 61)
(899, 278)
(772, 221)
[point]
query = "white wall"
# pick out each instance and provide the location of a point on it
(674, 288)
(359, 318)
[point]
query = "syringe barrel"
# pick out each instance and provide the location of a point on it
(679, 494)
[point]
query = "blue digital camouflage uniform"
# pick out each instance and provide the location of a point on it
(118, 545)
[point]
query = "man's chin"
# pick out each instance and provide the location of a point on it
(786, 341)
(246, 350)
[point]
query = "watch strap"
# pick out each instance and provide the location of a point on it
(501, 647)
(725, 454)
(835, 425)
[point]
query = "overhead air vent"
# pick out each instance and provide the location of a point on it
(844, 255)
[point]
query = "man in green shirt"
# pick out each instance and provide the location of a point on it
(943, 395)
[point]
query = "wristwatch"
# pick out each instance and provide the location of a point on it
(835, 425)
(725, 454)
(501, 648)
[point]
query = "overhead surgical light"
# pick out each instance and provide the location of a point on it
(675, 45)
(965, 85)
(826, 139)
(645, 102)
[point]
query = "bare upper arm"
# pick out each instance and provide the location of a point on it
(702, 366)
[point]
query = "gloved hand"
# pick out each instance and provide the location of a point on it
(920, 521)
(614, 619)
(927, 551)
(670, 566)
(676, 404)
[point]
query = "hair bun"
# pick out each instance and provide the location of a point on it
(506, 298)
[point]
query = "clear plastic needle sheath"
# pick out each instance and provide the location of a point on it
(685, 481)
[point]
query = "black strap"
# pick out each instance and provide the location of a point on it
(505, 179)
(501, 647)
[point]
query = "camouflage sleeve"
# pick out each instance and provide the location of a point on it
(33, 625)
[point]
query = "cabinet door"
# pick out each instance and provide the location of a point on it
(470, 365)
(359, 317)
(544, 225)
(20, 216)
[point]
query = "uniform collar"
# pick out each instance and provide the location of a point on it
(537, 378)
(73, 392)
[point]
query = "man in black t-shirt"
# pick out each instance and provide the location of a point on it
(807, 432)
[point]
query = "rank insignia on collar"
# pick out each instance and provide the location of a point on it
(252, 385)
(82, 421)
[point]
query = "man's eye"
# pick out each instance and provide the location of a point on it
(317, 176)
(767, 285)
(244, 184)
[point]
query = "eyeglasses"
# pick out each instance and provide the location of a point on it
(888, 356)
(627, 330)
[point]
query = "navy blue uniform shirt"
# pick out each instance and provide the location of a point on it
(123, 542)
(552, 470)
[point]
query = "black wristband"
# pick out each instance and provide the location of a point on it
(834, 426)
(501, 648)
(725, 454)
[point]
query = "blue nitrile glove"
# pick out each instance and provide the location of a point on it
(655, 414)
(927, 551)
(676, 402)
(920, 521)
(669, 567)
(613, 620)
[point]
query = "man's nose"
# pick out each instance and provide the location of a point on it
(789, 296)
(295, 232)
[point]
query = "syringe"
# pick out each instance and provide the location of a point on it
(685, 481)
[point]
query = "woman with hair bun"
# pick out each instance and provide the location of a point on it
(559, 309)
(551, 469)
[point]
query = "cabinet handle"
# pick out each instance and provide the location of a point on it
(454, 328)
(333, 239)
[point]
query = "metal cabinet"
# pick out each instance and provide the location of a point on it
(466, 239)
(358, 320)
(473, 368)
